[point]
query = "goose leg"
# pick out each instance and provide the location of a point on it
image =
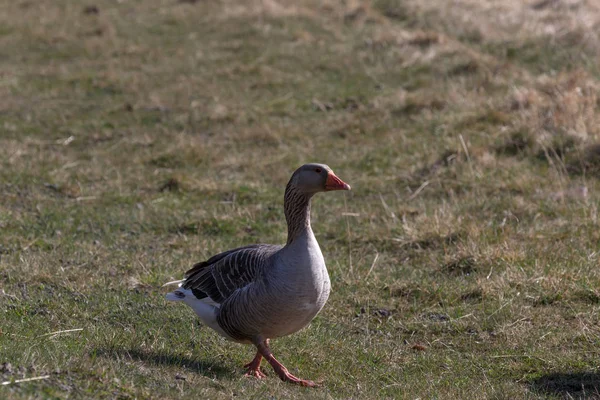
(284, 374)
(254, 367)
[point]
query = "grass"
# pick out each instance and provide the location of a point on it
(137, 138)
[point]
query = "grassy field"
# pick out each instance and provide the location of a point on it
(140, 136)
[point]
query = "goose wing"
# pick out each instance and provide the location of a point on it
(221, 275)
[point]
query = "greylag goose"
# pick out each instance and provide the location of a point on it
(259, 292)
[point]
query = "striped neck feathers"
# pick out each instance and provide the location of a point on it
(296, 205)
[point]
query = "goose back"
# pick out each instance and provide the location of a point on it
(221, 275)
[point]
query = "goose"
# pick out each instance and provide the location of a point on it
(259, 292)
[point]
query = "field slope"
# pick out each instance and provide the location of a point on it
(138, 137)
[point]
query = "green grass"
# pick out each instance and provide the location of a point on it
(143, 138)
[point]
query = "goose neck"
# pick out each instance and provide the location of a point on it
(296, 206)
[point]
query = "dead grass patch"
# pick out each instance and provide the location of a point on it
(556, 121)
(142, 137)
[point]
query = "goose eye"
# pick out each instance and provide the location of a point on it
(318, 170)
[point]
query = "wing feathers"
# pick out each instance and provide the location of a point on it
(223, 274)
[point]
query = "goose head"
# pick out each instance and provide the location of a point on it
(313, 178)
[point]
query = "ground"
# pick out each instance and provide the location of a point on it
(139, 137)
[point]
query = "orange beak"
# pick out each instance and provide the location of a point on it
(335, 183)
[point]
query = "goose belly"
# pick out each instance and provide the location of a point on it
(281, 312)
(297, 306)
(300, 287)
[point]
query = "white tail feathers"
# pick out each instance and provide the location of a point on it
(178, 295)
(204, 308)
(179, 282)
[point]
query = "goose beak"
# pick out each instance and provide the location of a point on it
(335, 183)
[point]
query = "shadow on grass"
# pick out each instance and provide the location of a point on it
(575, 385)
(208, 369)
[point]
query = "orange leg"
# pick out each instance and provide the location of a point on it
(254, 367)
(284, 374)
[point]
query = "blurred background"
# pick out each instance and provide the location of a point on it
(139, 137)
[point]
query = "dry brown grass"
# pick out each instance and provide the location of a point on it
(139, 137)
